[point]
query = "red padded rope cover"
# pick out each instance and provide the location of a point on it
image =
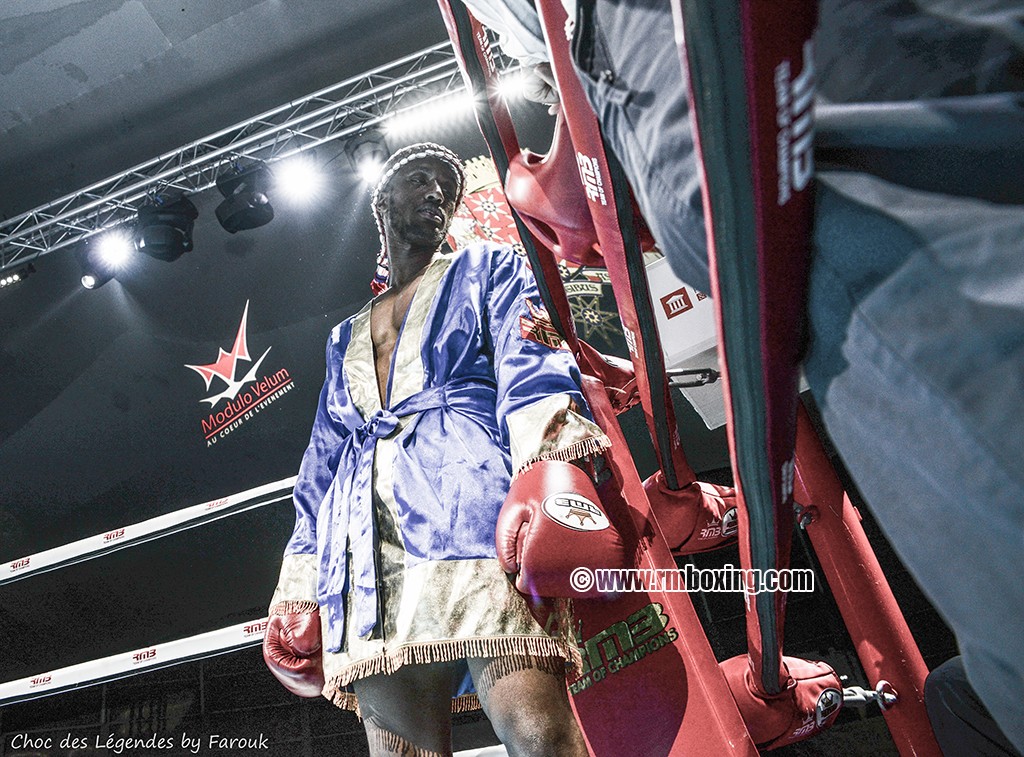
(650, 683)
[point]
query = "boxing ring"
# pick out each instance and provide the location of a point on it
(136, 661)
(692, 703)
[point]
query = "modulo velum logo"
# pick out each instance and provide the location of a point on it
(235, 400)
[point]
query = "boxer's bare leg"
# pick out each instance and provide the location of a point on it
(528, 706)
(408, 713)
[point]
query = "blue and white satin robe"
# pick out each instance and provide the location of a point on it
(396, 508)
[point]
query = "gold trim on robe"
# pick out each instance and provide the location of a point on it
(297, 582)
(436, 610)
(552, 429)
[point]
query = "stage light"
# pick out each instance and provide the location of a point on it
(103, 256)
(298, 179)
(368, 152)
(16, 276)
(164, 228)
(429, 116)
(511, 85)
(246, 205)
(94, 280)
(370, 170)
(114, 248)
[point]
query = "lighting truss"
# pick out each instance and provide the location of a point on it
(340, 110)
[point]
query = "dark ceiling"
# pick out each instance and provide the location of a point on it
(92, 87)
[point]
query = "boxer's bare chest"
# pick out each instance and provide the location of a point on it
(386, 317)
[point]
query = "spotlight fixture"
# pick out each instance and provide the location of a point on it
(367, 151)
(102, 257)
(246, 205)
(298, 180)
(93, 280)
(10, 278)
(164, 228)
(114, 248)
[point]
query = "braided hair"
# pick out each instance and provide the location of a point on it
(401, 158)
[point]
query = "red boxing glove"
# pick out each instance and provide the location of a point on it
(552, 532)
(809, 704)
(697, 518)
(291, 647)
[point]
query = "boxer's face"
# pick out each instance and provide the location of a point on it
(419, 202)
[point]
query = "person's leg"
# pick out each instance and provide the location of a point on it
(628, 65)
(916, 362)
(527, 703)
(916, 347)
(886, 50)
(626, 59)
(961, 723)
(408, 713)
(941, 145)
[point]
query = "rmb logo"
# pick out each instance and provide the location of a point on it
(144, 656)
(724, 528)
(574, 511)
(829, 701)
(622, 644)
(245, 396)
(255, 629)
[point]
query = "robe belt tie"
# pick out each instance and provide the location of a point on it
(351, 512)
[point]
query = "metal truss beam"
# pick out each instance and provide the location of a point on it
(341, 110)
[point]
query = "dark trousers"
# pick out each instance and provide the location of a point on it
(961, 723)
